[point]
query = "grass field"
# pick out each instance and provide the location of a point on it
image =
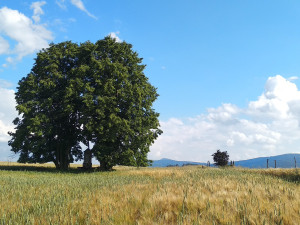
(177, 195)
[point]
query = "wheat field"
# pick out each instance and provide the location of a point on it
(176, 195)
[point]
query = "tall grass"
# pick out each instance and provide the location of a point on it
(188, 195)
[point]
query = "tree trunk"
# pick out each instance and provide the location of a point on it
(56, 164)
(62, 161)
(87, 159)
(65, 159)
(105, 166)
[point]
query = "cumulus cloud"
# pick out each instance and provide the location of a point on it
(79, 4)
(114, 35)
(7, 114)
(37, 10)
(276, 102)
(29, 37)
(267, 126)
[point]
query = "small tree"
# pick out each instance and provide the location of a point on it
(220, 158)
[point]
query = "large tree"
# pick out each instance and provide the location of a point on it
(90, 93)
(118, 99)
(47, 128)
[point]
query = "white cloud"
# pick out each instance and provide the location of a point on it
(61, 4)
(29, 37)
(4, 46)
(37, 10)
(114, 35)
(79, 4)
(223, 114)
(268, 126)
(7, 112)
(293, 78)
(276, 102)
(279, 87)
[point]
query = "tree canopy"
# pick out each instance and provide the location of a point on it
(89, 93)
(220, 158)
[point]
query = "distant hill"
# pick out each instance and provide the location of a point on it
(282, 161)
(169, 162)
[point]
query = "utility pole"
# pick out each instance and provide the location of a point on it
(275, 163)
(267, 163)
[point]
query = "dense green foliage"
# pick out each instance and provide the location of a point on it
(89, 93)
(117, 104)
(48, 129)
(220, 158)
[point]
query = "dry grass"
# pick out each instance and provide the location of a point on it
(188, 195)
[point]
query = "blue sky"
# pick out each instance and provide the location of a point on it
(226, 71)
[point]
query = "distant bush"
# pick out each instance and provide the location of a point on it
(189, 164)
(220, 158)
(176, 165)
